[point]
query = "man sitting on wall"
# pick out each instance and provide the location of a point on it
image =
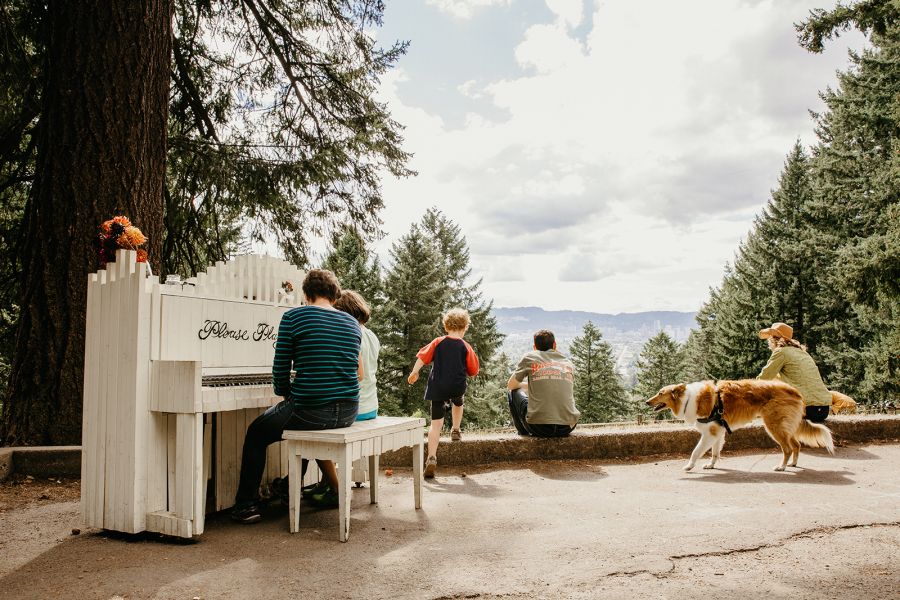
(547, 409)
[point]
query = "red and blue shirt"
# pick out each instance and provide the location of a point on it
(452, 360)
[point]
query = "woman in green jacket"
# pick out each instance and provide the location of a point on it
(791, 364)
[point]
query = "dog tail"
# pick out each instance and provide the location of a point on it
(815, 435)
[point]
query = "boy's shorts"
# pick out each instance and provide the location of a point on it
(439, 408)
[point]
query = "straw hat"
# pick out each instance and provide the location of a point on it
(782, 330)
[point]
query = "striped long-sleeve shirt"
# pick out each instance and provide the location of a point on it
(322, 346)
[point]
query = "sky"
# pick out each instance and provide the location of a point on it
(605, 156)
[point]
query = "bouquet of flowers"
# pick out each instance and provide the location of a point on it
(119, 234)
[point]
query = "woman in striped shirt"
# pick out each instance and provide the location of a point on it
(321, 345)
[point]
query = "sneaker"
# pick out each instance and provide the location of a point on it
(430, 466)
(455, 435)
(308, 491)
(246, 514)
(328, 498)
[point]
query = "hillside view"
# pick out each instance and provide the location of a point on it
(626, 332)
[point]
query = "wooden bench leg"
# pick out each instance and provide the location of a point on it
(344, 493)
(418, 449)
(373, 479)
(295, 474)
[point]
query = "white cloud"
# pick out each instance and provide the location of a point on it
(629, 162)
(468, 89)
(465, 9)
(568, 12)
(548, 48)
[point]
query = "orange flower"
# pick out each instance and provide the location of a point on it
(106, 227)
(131, 238)
(142, 255)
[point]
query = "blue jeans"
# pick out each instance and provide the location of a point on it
(817, 414)
(267, 429)
(518, 408)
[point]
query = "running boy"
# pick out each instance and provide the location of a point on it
(452, 358)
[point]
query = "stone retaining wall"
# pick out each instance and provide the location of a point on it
(63, 461)
(485, 449)
(611, 443)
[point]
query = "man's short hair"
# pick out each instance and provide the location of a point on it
(544, 340)
(321, 283)
(353, 304)
(456, 319)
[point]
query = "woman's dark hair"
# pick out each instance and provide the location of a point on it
(321, 283)
(354, 305)
(544, 340)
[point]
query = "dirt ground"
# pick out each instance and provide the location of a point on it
(566, 530)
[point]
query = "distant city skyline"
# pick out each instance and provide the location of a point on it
(602, 156)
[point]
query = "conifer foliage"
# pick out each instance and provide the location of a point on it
(599, 393)
(774, 278)
(824, 255)
(415, 296)
(430, 273)
(661, 363)
(251, 119)
(357, 269)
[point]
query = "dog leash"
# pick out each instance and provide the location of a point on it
(718, 412)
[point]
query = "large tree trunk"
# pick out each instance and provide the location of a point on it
(101, 152)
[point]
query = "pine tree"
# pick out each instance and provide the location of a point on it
(856, 167)
(660, 364)
(695, 361)
(415, 295)
(355, 267)
(227, 121)
(774, 278)
(453, 249)
(599, 393)
(429, 274)
(486, 405)
(824, 255)
(486, 398)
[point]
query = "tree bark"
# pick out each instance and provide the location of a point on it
(101, 152)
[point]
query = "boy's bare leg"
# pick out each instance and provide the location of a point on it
(329, 472)
(456, 413)
(434, 436)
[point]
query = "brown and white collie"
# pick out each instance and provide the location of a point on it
(780, 406)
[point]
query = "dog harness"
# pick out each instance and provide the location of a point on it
(717, 414)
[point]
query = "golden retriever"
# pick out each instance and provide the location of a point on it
(737, 404)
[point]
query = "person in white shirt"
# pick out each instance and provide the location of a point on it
(355, 305)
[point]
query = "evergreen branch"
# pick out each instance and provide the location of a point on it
(183, 80)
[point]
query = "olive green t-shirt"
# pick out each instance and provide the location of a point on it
(551, 399)
(797, 368)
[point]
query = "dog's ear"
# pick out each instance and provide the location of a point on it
(678, 391)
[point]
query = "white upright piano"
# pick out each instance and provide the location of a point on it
(173, 376)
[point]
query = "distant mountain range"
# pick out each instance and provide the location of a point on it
(626, 332)
(568, 323)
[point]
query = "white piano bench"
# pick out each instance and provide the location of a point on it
(363, 439)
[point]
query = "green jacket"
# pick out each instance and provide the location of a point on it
(797, 368)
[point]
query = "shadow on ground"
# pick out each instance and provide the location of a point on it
(791, 476)
(105, 564)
